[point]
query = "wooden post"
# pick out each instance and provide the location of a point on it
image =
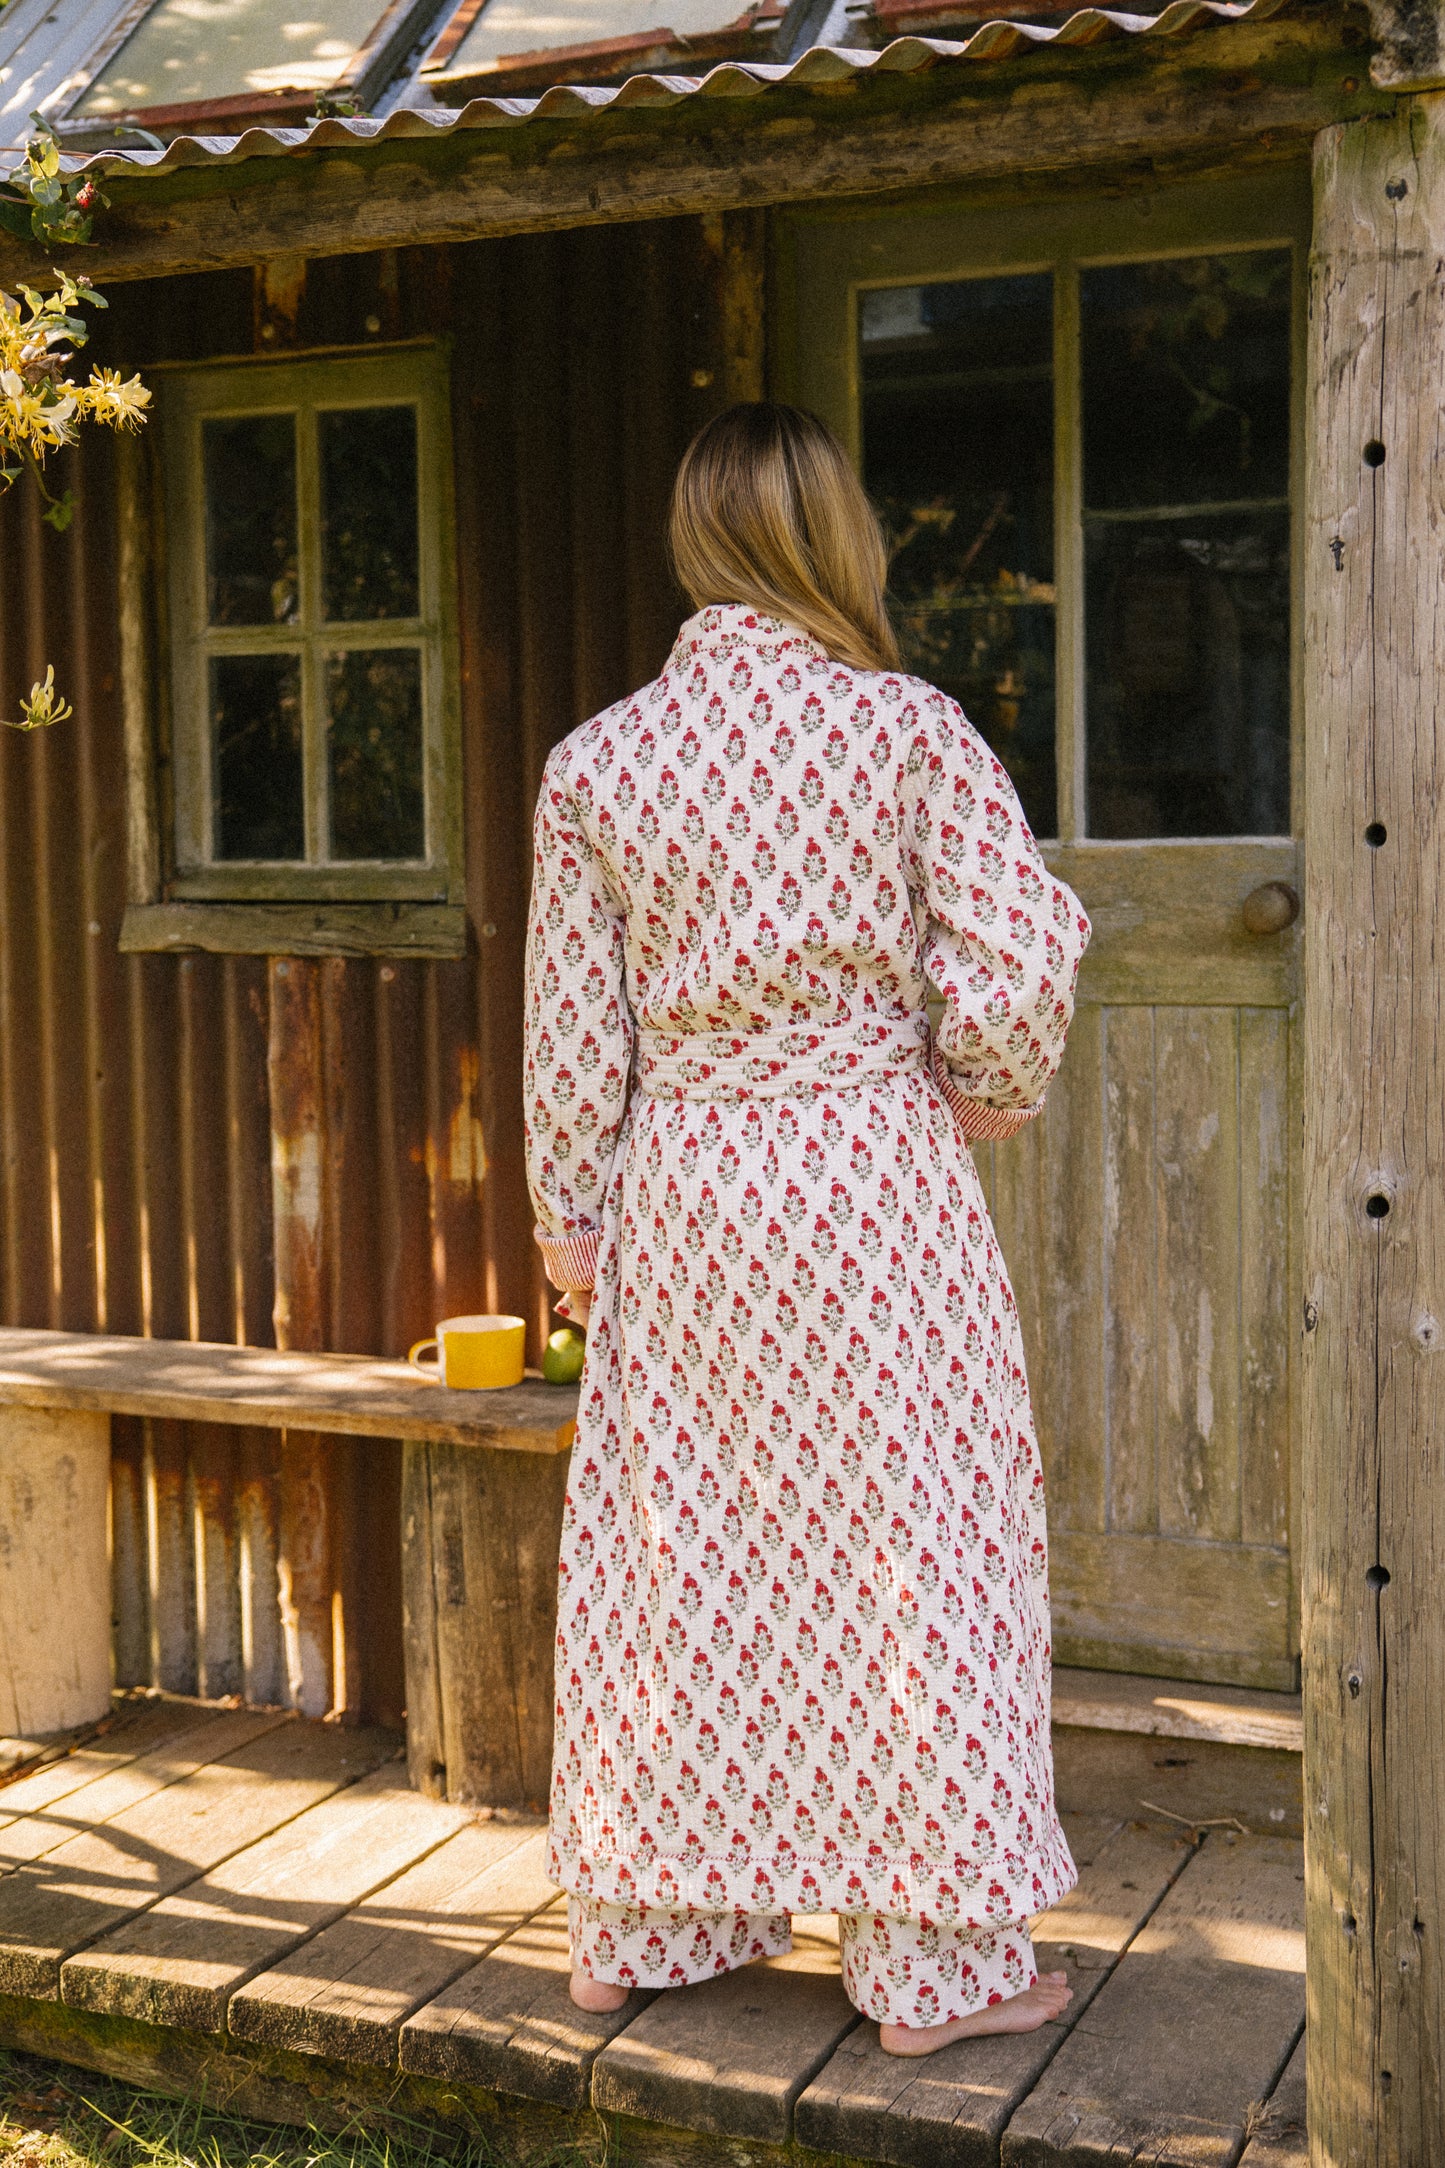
(307, 1564)
(54, 1576)
(1374, 1314)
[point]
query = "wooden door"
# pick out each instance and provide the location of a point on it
(1080, 422)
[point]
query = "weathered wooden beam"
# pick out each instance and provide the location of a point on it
(1211, 98)
(355, 1396)
(1374, 1317)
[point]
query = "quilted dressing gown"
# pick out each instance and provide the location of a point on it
(802, 1638)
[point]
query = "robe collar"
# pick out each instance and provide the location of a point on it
(720, 628)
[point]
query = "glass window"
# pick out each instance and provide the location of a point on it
(1178, 423)
(185, 51)
(958, 448)
(1186, 540)
(308, 663)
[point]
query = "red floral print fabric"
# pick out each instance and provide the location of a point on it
(802, 1650)
(897, 1971)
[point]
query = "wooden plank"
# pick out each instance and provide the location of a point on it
(347, 1994)
(1253, 88)
(950, 2109)
(46, 1769)
(1191, 2029)
(1168, 921)
(294, 929)
(509, 2023)
(491, 1615)
(269, 2086)
(355, 1395)
(80, 1890)
(1196, 1781)
(730, 2056)
(180, 1962)
(1185, 1610)
(161, 1745)
(1227, 1715)
(1046, 1185)
(1196, 1132)
(1131, 1275)
(1277, 2134)
(1264, 1257)
(1373, 1628)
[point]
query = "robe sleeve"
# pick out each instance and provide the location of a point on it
(578, 1034)
(1002, 938)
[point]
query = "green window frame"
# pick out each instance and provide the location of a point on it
(191, 867)
(825, 263)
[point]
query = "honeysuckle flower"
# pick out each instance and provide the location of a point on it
(41, 410)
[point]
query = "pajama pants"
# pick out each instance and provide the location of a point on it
(902, 1972)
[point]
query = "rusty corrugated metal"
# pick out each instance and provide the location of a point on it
(136, 1130)
(414, 110)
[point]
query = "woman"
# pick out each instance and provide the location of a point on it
(802, 1636)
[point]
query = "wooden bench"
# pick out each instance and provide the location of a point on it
(479, 1549)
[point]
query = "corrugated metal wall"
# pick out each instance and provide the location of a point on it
(135, 1182)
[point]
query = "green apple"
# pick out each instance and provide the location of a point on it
(562, 1359)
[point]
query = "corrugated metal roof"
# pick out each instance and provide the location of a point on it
(415, 114)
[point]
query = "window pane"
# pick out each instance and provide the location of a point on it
(1188, 680)
(378, 802)
(958, 455)
(370, 565)
(256, 733)
(1186, 386)
(250, 470)
(1186, 380)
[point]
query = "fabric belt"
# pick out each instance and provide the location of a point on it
(776, 1064)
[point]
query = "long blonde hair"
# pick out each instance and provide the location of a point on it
(767, 510)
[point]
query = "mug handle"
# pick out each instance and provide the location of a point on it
(415, 1354)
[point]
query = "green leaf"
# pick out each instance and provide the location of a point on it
(61, 512)
(14, 218)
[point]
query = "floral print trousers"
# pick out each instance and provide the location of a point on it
(901, 1972)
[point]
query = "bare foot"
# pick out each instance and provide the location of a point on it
(598, 1995)
(1049, 1995)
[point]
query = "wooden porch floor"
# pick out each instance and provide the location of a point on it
(237, 1901)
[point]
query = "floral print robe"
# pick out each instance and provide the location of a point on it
(802, 1636)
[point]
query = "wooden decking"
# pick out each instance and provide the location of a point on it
(235, 1901)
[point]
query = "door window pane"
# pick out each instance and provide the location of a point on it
(249, 463)
(374, 747)
(370, 563)
(1186, 374)
(255, 705)
(958, 455)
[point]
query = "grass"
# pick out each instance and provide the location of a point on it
(52, 2116)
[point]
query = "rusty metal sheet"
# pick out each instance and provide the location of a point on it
(139, 1179)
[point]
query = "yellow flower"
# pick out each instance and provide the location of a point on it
(44, 706)
(121, 402)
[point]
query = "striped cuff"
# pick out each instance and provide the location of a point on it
(569, 1260)
(979, 1122)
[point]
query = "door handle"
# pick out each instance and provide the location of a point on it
(1270, 907)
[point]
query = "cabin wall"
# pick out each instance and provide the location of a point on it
(135, 1132)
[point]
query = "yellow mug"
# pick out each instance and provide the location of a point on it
(475, 1352)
